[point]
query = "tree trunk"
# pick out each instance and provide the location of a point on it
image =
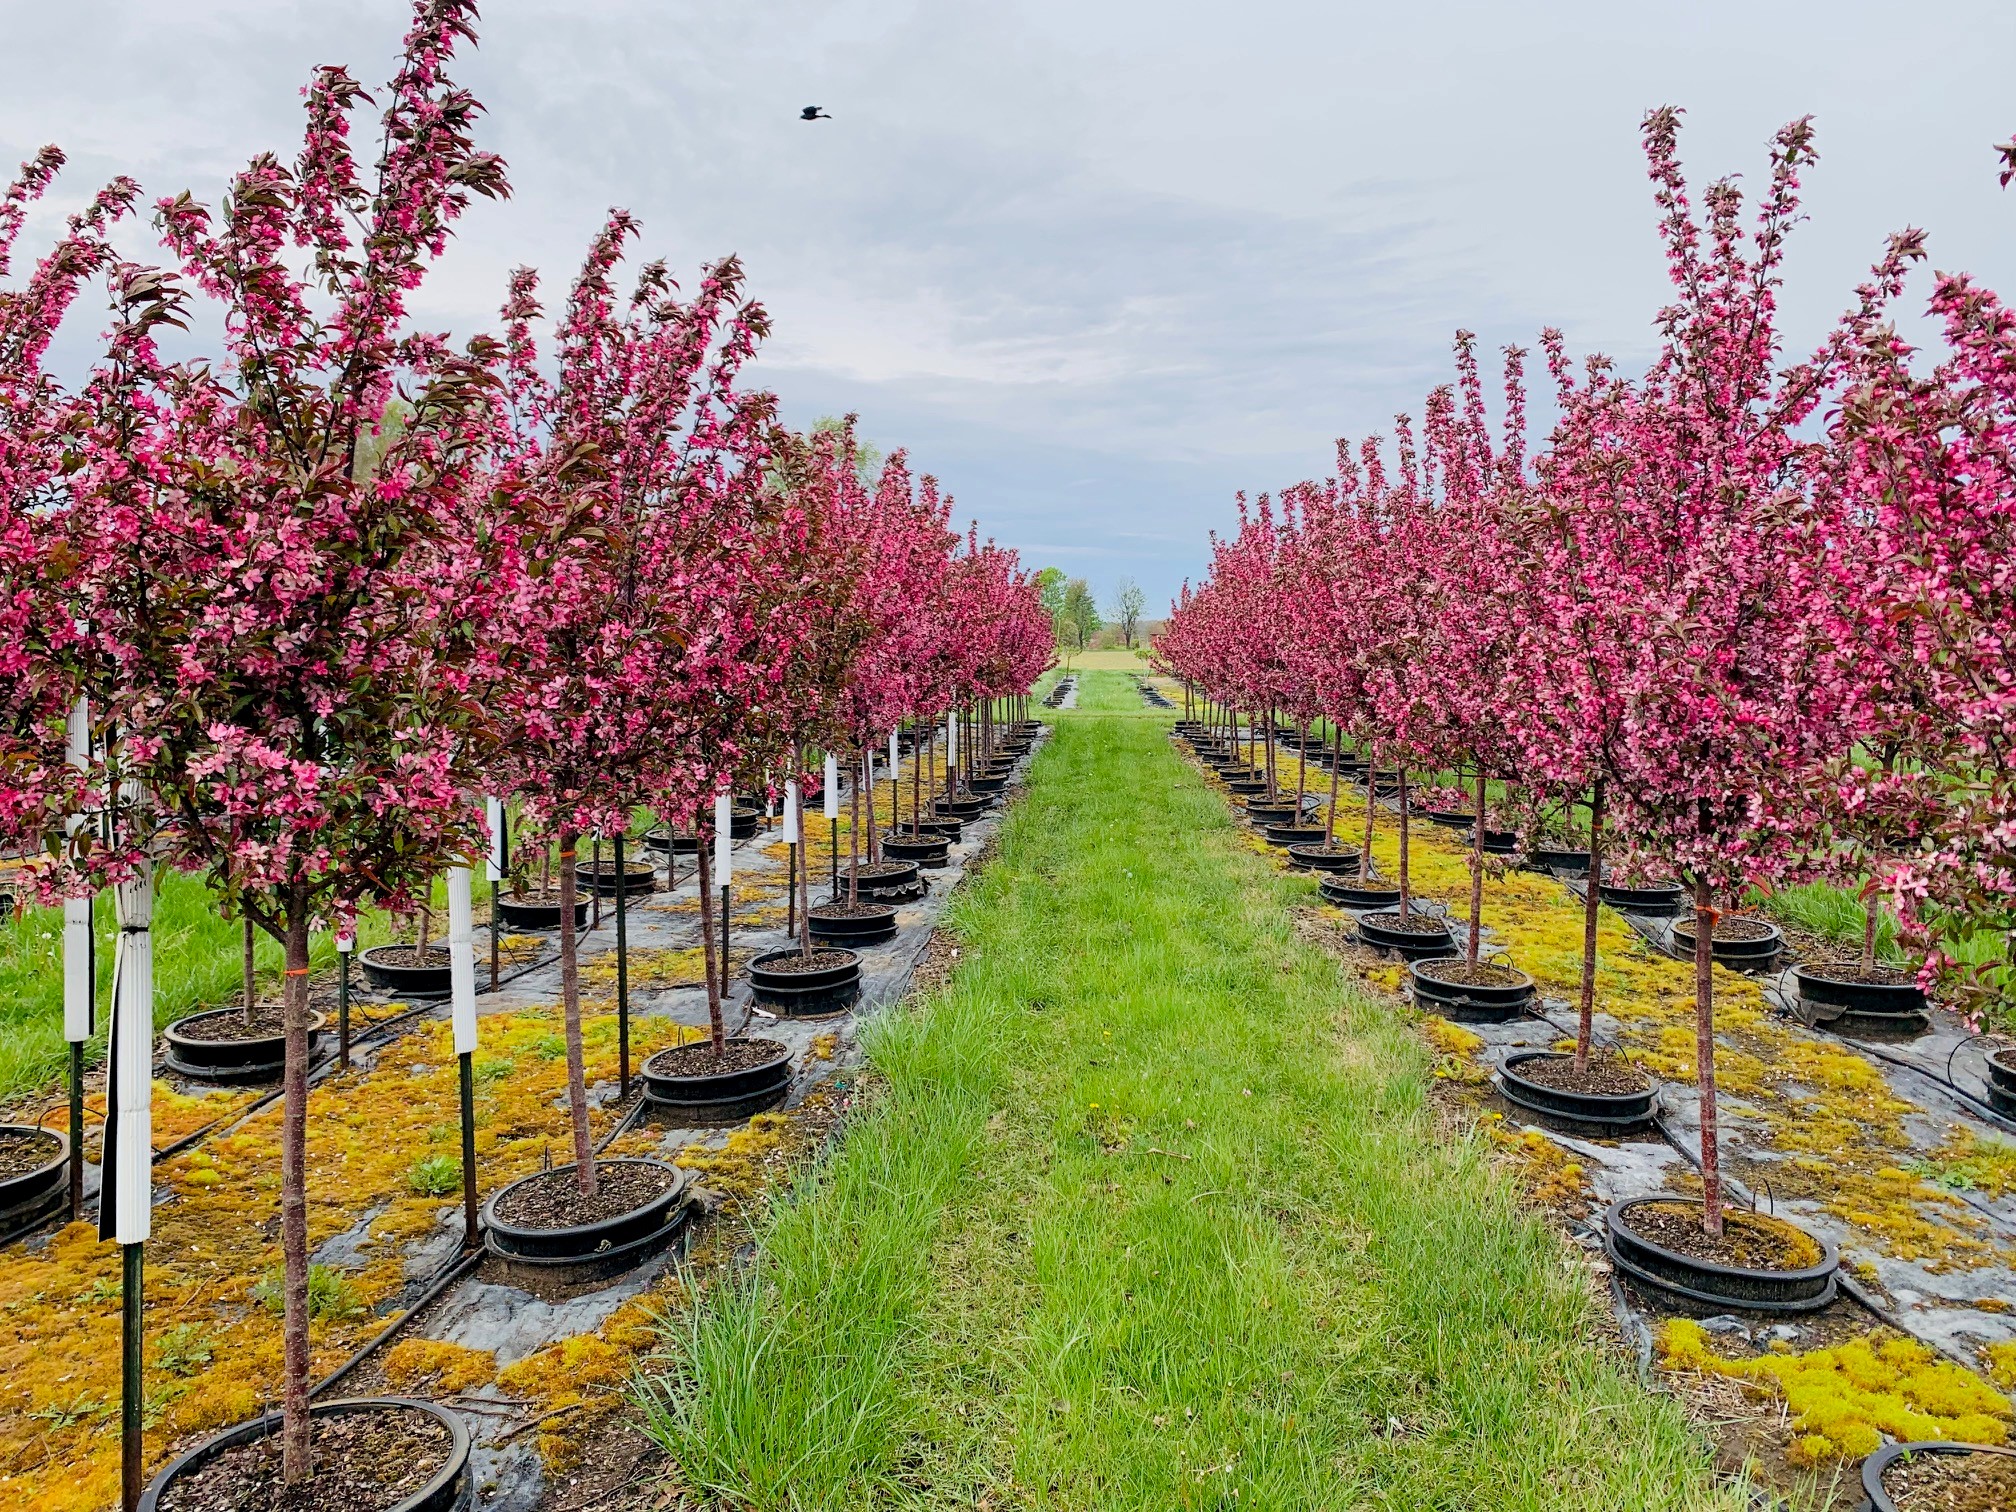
(1371, 813)
(1404, 806)
(1273, 788)
(1705, 917)
(570, 1008)
(297, 1461)
(854, 836)
(1476, 873)
(1301, 765)
(1585, 1030)
(1330, 818)
(1869, 907)
(868, 773)
(251, 974)
(716, 1026)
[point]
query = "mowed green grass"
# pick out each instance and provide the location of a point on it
(198, 962)
(1151, 1213)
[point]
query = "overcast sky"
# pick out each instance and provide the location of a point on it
(1099, 263)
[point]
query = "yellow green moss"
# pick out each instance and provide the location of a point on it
(1844, 1399)
(438, 1366)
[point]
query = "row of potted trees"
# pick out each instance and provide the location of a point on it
(1740, 622)
(288, 615)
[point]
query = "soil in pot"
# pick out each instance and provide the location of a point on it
(1940, 1482)
(1749, 1241)
(1604, 1076)
(1463, 974)
(795, 964)
(554, 1200)
(1414, 923)
(364, 1462)
(852, 911)
(1732, 928)
(23, 1150)
(434, 958)
(268, 1022)
(699, 1059)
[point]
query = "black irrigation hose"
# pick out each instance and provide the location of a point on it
(449, 1274)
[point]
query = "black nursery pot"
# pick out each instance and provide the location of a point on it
(1349, 892)
(1601, 1113)
(1382, 930)
(1744, 955)
(1246, 787)
(588, 1251)
(1291, 834)
(1900, 1000)
(522, 913)
(922, 850)
(1448, 818)
(26, 1199)
(895, 871)
(1264, 811)
(1751, 1288)
(944, 829)
(1573, 862)
(1480, 1003)
(676, 845)
(1653, 898)
(2002, 1082)
(1880, 1463)
(805, 994)
(851, 928)
(707, 1091)
(1500, 842)
(961, 809)
(638, 877)
(260, 1058)
(450, 1489)
(988, 784)
(1313, 857)
(743, 823)
(407, 981)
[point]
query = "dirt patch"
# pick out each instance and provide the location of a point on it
(1748, 1240)
(267, 1022)
(1952, 1483)
(364, 1462)
(554, 1200)
(1604, 1076)
(25, 1150)
(853, 911)
(699, 1059)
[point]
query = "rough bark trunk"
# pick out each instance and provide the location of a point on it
(716, 1027)
(1476, 874)
(1585, 1029)
(1330, 818)
(1405, 900)
(1705, 916)
(570, 1009)
(297, 1461)
(1371, 813)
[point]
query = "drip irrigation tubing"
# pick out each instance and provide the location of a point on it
(463, 1263)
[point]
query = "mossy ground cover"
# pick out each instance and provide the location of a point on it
(213, 1342)
(1153, 1212)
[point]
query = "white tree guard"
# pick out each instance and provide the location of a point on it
(790, 824)
(724, 842)
(461, 960)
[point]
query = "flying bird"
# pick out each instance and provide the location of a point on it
(813, 113)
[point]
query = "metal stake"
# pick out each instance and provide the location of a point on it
(467, 1070)
(131, 1401)
(343, 1008)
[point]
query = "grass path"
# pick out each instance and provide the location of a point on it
(1152, 1214)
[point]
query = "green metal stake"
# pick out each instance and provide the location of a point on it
(131, 1339)
(468, 1078)
(342, 1006)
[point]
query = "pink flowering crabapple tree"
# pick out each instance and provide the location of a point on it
(279, 560)
(639, 467)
